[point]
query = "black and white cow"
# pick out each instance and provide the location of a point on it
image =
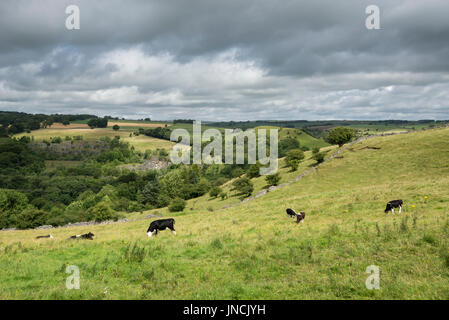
(89, 236)
(291, 212)
(47, 236)
(299, 216)
(159, 225)
(394, 204)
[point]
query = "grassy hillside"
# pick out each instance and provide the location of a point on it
(254, 251)
(303, 138)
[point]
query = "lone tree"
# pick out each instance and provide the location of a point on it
(116, 127)
(340, 136)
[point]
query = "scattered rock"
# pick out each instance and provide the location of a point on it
(45, 227)
(153, 163)
(149, 216)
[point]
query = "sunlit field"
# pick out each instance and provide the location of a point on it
(140, 143)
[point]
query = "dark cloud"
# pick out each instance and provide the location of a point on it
(227, 60)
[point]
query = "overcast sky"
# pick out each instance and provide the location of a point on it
(227, 59)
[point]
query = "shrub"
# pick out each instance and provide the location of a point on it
(219, 181)
(243, 186)
(223, 195)
(315, 150)
(56, 140)
(253, 171)
(318, 157)
(215, 191)
(295, 154)
(237, 172)
(273, 179)
(293, 164)
(30, 218)
(177, 205)
(134, 206)
(11, 203)
(163, 154)
(103, 212)
(115, 127)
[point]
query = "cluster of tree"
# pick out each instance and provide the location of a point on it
(290, 149)
(159, 132)
(17, 122)
(96, 189)
(289, 143)
(314, 123)
(183, 121)
(98, 123)
(16, 155)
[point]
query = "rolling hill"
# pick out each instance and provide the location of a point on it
(254, 250)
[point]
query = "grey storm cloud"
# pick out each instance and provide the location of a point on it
(227, 60)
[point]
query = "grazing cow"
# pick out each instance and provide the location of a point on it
(159, 225)
(291, 212)
(394, 204)
(47, 236)
(89, 236)
(299, 216)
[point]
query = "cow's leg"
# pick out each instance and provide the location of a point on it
(400, 209)
(392, 210)
(172, 230)
(302, 221)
